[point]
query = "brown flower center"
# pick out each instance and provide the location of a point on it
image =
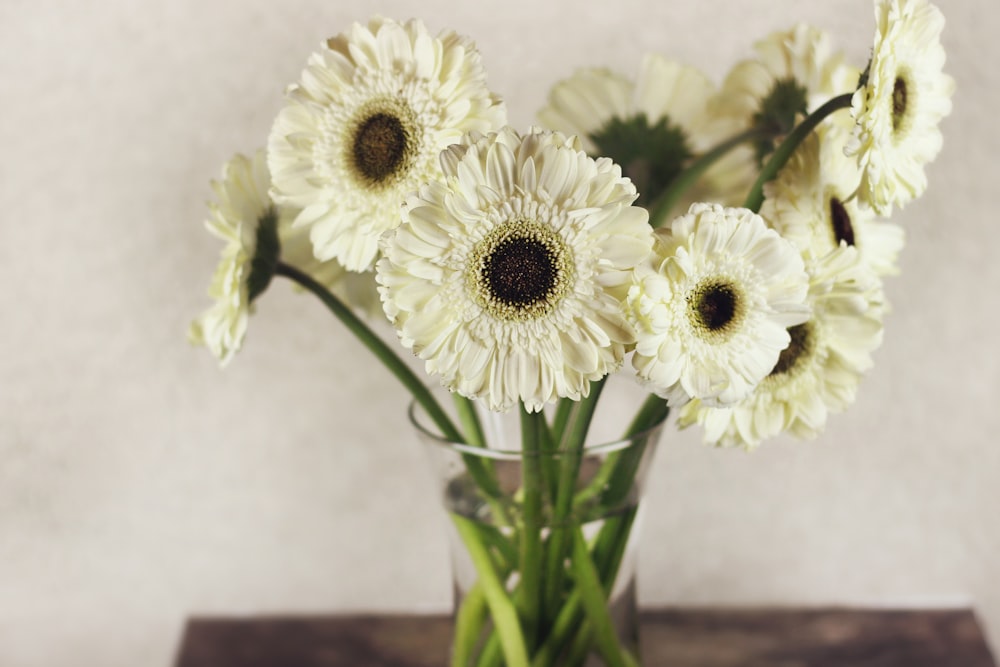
(520, 271)
(383, 143)
(715, 307)
(840, 221)
(798, 350)
(379, 147)
(899, 100)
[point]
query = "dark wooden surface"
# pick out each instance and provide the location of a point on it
(670, 638)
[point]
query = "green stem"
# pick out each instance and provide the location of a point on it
(563, 411)
(668, 199)
(566, 623)
(594, 600)
(473, 613)
(787, 148)
(609, 547)
(469, 621)
(652, 411)
(377, 346)
(580, 645)
(492, 653)
(481, 472)
(616, 478)
(607, 556)
(502, 610)
(471, 425)
(571, 444)
(532, 425)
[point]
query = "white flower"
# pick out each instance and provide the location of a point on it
(903, 100)
(651, 126)
(794, 72)
(507, 275)
(819, 372)
(364, 126)
(584, 103)
(811, 204)
(712, 309)
(246, 220)
(256, 234)
(803, 55)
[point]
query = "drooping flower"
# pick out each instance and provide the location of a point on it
(652, 126)
(507, 275)
(819, 372)
(811, 203)
(246, 220)
(898, 109)
(712, 309)
(256, 234)
(364, 126)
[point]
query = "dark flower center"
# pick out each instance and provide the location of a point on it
(840, 220)
(520, 270)
(380, 147)
(715, 307)
(799, 349)
(898, 103)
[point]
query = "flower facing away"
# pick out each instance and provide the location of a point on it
(904, 97)
(364, 126)
(256, 233)
(819, 372)
(811, 204)
(793, 73)
(507, 275)
(652, 126)
(712, 309)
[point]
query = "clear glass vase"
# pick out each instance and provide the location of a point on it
(543, 543)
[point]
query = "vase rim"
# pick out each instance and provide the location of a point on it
(415, 410)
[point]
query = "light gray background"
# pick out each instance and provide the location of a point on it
(140, 484)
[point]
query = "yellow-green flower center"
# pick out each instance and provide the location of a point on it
(520, 271)
(799, 349)
(382, 143)
(840, 222)
(716, 308)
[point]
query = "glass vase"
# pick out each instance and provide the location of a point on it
(543, 542)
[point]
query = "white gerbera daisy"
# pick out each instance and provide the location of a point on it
(364, 126)
(904, 97)
(819, 372)
(256, 233)
(811, 203)
(804, 54)
(246, 220)
(794, 72)
(507, 275)
(652, 126)
(712, 309)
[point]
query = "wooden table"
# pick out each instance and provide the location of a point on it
(670, 638)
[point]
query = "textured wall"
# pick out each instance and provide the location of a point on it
(140, 484)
